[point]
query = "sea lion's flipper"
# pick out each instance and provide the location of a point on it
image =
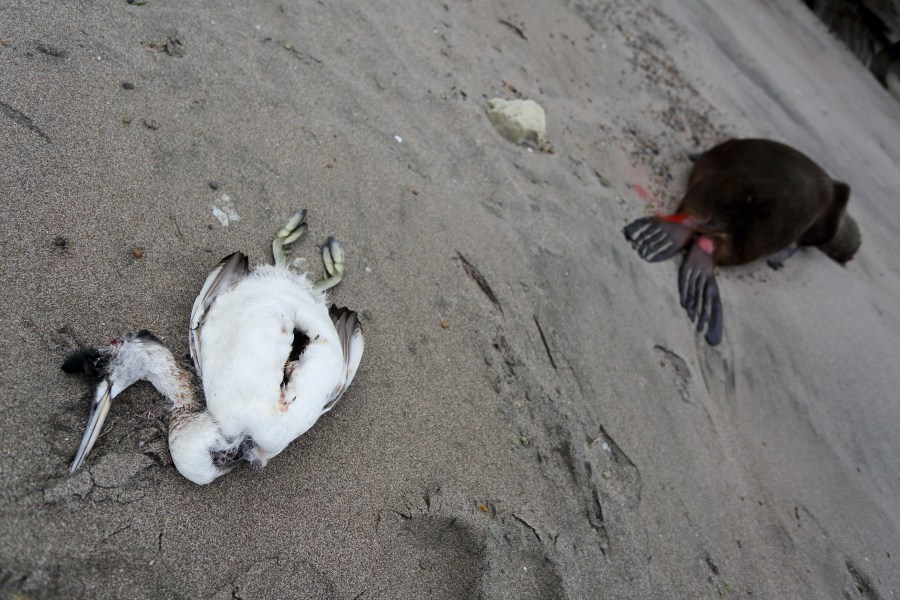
(777, 260)
(659, 238)
(698, 290)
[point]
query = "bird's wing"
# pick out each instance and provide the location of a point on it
(350, 334)
(222, 278)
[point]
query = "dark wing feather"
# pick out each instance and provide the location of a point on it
(222, 278)
(349, 331)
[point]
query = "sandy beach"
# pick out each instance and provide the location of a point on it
(534, 417)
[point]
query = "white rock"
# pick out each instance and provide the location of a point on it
(519, 121)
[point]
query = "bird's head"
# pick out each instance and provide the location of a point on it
(112, 368)
(199, 449)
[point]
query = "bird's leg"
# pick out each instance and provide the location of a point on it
(290, 233)
(333, 258)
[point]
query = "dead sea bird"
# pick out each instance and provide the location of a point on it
(270, 355)
(746, 199)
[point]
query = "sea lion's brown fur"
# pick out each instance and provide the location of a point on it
(746, 199)
(756, 197)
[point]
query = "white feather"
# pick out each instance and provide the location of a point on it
(247, 336)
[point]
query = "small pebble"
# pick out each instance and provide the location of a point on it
(4, 43)
(150, 124)
(127, 85)
(483, 508)
(213, 184)
(288, 47)
(414, 191)
(137, 252)
(126, 120)
(60, 241)
(445, 324)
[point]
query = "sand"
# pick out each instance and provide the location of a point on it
(566, 435)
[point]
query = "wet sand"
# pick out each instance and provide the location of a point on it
(566, 435)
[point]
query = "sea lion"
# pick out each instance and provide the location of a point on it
(746, 199)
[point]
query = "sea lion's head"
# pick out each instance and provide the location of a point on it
(846, 241)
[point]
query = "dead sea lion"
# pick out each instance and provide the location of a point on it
(746, 199)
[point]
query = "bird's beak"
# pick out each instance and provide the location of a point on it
(99, 409)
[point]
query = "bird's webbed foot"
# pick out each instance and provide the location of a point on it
(333, 259)
(290, 233)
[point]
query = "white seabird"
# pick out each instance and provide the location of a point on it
(270, 355)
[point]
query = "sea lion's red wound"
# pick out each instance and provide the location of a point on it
(678, 218)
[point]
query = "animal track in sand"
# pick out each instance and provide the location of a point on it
(612, 472)
(570, 449)
(436, 555)
(717, 371)
(465, 551)
(862, 584)
(279, 577)
(681, 373)
(105, 573)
